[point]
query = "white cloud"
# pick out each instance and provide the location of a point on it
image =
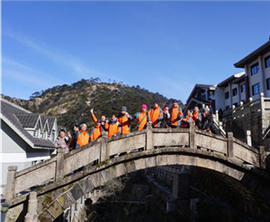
(26, 75)
(53, 54)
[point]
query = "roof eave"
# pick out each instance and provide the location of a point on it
(253, 55)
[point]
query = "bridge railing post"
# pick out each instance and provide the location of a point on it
(31, 215)
(60, 162)
(230, 145)
(10, 185)
(103, 147)
(149, 137)
(192, 134)
(249, 141)
(262, 157)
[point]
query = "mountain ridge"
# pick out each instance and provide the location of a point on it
(71, 104)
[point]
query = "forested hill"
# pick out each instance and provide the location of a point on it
(71, 104)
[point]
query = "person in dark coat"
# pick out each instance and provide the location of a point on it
(75, 134)
(207, 121)
(165, 122)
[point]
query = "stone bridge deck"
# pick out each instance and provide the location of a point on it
(118, 156)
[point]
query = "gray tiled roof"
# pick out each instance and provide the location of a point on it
(28, 120)
(14, 113)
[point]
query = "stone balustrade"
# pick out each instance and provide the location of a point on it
(100, 151)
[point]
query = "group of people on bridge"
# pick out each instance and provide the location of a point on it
(166, 117)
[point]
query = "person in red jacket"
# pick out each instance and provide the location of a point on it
(155, 114)
(103, 119)
(113, 127)
(176, 115)
(142, 118)
(96, 132)
(124, 119)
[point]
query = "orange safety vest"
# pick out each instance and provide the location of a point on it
(83, 138)
(174, 115)
(96, 133)
(125, 123)
(185, 122)
(142, 119)
(154, 114)
(113, 129)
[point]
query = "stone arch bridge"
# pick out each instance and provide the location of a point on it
(45, 190)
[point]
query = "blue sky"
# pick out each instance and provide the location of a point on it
(165, 47)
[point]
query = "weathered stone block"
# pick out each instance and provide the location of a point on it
(76, 192)
(151, 162)
(211, 164)
(171, 160)
(183, 160)
(140, 164)
(120, 170)
(87, 186)
(97, 179)
(65, 200)
(162, 160)
(56, 209)
(46, 216)
(108, 174)
(130, 166)
(201, 162)
(192, 161)
(219, 167)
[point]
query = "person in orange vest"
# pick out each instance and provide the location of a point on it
(142, 118)
(176, 115)
(155, 114)
(103, 119)
(186, 121)
(97, 131)
(197, 117)
(113, 127)
(83, 137)
(124, 119)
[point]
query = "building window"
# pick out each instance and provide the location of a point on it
(37, 131)
(227, 95)
(267, 62)
(243, 88)
(268, 83)
(254, 69)
(234, 92)
(256, 89)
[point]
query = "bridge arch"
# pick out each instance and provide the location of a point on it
(159, 147)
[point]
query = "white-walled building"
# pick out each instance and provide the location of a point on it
(257, 71)
(230, 92)
(26, 138)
